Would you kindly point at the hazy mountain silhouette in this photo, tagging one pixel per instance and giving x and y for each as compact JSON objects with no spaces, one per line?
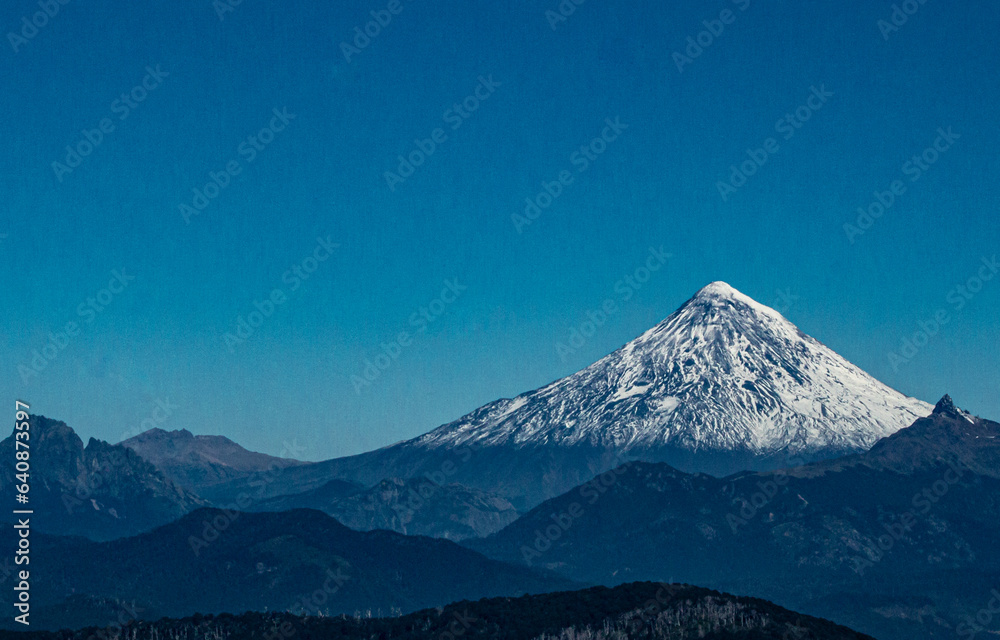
{"x":879,"y":541}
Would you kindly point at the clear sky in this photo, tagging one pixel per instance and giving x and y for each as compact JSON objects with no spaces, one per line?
{"x":545,"y":87}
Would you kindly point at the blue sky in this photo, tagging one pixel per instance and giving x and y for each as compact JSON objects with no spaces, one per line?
{"x":498,"y":295}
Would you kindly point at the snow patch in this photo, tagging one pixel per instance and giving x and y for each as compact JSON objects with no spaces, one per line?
{"x":630,"y":392}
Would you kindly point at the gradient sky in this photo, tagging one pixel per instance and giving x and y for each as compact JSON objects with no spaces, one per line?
{"x":161,"y":339}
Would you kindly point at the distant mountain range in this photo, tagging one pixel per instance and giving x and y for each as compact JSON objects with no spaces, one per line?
{"x":214,"y":561}
{"x":641,"y":610}
{"x":723,"y":448}
{"x":105,"y":491}
{"x":722,"y":385}
{"x":898,"y":542}
{"x":415,"y":506}
{"x":199,"y":462}
{"x":101,"y":491}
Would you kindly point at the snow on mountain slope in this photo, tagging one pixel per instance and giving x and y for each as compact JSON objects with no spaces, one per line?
{"x":723,"y":385}
{"x":723,"y":373}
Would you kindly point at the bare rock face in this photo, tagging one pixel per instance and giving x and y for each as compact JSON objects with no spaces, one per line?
{"x":101,"y":491}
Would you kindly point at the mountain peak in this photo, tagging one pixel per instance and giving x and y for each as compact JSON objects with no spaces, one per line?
{"x":195,"y":462}
{"x":946,"y":406}
{"x":722,"y":377}
{"x":100,"y":491}
{"x":949,"y":433}
{"x":722,"y":292}
{"x":718,"y":288}
{"x":156,"y":433}
{"x":715,"y":297}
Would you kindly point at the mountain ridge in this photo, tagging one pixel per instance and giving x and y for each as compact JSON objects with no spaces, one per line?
{"x":412,"y":507}
{"x":913,"y":536}
{"x":100,"y":490}
{"x":198,"y":462}
{"x":721,"y":385}
{"x":654,"y":611}
{"x":237,"y":561}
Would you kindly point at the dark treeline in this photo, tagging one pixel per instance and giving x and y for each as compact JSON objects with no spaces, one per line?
{"x":641,"y":611}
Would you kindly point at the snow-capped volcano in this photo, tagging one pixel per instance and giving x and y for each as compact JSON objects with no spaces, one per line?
{"x":722,"y":385}
{"x":722,"y":373}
